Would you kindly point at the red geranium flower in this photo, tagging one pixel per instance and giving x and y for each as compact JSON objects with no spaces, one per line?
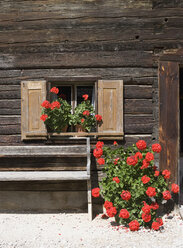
{"x":151,"y":191}
{"x":99,"y":144}
{"x":82,"y":120}
{"x":85,"y":97}
{"x":160,"y":221}
{"x":145,"y":164}
{"x":132,"y":160}
{"x":154,"y":205}
{"x":141,"y":145}
{"x":156,"y":173}
{"x":96,"y":192}
{"x":55,"y":104}
{"x":98,"y":117}
{"x":111,"y":212}
{"x":175,"y":188}
{"x":154,"y":167}
{"x":146,"y":217}
{"x":155,"y":226}
{"x":125,"y":195}
{"x":124,"y":214}
{"x":167,"y":195}
{"x":115,"y":143}
{"x":145,"y":179}
{"x":86,"y":112}
{"x":44,"y":117}
{"x":46,"y":104}
{"x":116,"y":179}
{"x":166,"y":174}
{"x":146,"y":208}
{"x":54,"y":90}
{"x":156,"y":148}
{"x":138,"y":155}
{"x":97,"y":153}
{"x":101,"y":161}
{"x":116,"y":161}
{"x":134,"y":225}
{"x":149,"y":157}
{"x":108,"y":205}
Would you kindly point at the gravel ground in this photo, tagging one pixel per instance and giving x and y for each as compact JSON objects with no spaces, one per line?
{"x":75,"y":230}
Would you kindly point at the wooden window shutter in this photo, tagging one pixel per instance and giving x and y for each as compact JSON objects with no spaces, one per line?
{"x":33,"y":93}
{"x":110,"y":106}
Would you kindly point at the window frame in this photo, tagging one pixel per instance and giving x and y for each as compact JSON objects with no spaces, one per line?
{"x":74,"y":82}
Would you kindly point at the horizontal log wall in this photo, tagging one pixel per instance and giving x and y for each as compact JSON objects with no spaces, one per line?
{"x":109,"y":39}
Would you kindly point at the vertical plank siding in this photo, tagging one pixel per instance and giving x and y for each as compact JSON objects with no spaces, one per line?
{"x":169,"y":117}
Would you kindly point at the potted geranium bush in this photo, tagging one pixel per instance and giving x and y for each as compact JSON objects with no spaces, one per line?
{"x":84,"y":117}
{"x":57,"y":114}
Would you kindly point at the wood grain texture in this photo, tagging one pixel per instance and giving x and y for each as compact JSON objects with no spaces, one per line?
{"x":43,"y":201}
{"x":33,"y":93}
{"x":44,"y":186}
{"x":169,"y":117}
{"x":42,"y":151}
{"x":110,"y":105}
{"x":43,"y":175}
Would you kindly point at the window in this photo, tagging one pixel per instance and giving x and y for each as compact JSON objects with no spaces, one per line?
{"x":105,"y":95}
{"x":73,"y":92}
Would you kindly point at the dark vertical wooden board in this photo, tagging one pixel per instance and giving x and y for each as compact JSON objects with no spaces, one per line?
{"x":169,"y":117}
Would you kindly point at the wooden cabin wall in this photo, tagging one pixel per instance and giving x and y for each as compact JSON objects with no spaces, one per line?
{"x":109,"y":39}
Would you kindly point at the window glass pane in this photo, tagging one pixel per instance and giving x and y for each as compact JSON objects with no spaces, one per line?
{"x":82,"y":90}
{"x":65,"y":93}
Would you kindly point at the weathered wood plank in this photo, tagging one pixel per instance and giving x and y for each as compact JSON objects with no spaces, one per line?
{"x":166,"y":4}
{"x":138,"y":106}
{"x":82,"y":10}
{"x":12,"y":104}
{"x":39,"y":36}
{"x":10,"y":129}
{"x":115,"y":73}
{"x":169,"y":117}
{"x":77,"y":59}
{"x":10,"y":120}
{"x":43,"y":175}
{"x":137,"y":92}
{"x":10,"y":139}
{"x":43,"y":151}
{"x":44,"y":186}
{"x":43,"y":164}
{"x":128,"y":80}
{"x":10,"y":92}
{"x":43,"y":201}
{"x":10,"y":74}
{"x":67,"y":6}
{"x":138,"y":124}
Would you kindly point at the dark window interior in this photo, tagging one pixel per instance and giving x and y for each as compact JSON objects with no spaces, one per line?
{"x":82,"y":90}
{"x":65,"y":93}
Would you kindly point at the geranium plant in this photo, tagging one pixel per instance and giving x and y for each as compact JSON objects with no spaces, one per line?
{"x":133,"y":188}
{"x":57,"y":114}
{"x":84,"y":115}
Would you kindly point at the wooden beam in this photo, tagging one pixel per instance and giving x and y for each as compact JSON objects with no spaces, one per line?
{"x":43,"y":175}
{"x":43,"y":151}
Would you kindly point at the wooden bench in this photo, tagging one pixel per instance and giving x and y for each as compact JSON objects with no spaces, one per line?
{"x":50,"y":151}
